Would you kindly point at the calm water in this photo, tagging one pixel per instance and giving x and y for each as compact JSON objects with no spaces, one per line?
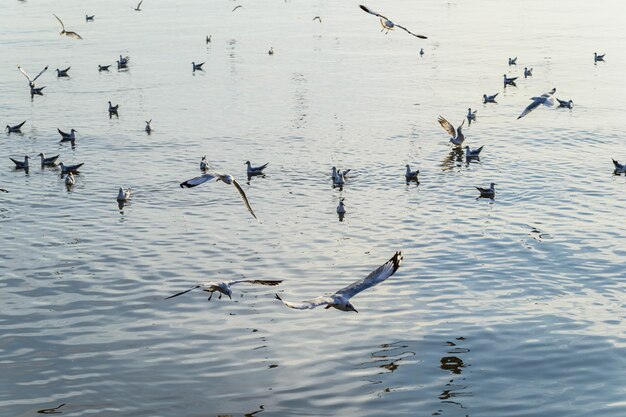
{"x":512,"y":307}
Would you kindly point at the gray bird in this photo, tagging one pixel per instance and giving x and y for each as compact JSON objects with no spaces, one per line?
{"x":21,"y":164}
{"x":16,"y":128}
{"x":457,"y":135}
{"x":70,"y":168}
{"x":490,"y":99}
{"x":50,"y":162}
{"x":411,"y":175}
{"x":510,"y":81}
{"x":546,"y":99}
{"x":255,"y":170}
{"x":63,"y":73}
{"x":487,"y":192}
{"x":470,"y":154}
{"x":223,"y":287}
{"x":568,"y":104}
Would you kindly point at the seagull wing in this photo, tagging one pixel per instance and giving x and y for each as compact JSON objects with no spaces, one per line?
{"x":243,"y":196}
{"x":307,"y":305}
{"x":236,"y":7}
{"x":197,"y":180}
{"x":370,"y":11}
{"x":317,"y":18}
{"x":255,"y":281}
{"x":447,"y":126}
{"x":39,"y":75}
{"x":411,"y":33}
{"x":549,"y":93}
{"x":62,"y":25}
{"x":183,"y":292}
{"x":532,"y":106}
{"x":73,"y":35}
{"x":139,"y":5}
{"x":376,"y":277}
{"x":26,"y":75}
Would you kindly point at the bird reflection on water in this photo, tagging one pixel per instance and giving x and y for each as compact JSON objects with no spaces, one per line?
{"x":453,"y":159}
{"x":453,"y":363}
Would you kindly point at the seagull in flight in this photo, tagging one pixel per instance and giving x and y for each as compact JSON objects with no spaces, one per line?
{"x":341,"y":299}
{"x":317,"y":18}
{"x":457,"y":135}
{"x":237,"y":7}
{"x":67,"y":32}
{"x":223,"y":287}
{"x":225,"y":178}
{"x":388,"y":24}
{"x":546,"y":99}
{"x":138,"y":8}
{"x":16,"y":128}
{"x":31,"y":81}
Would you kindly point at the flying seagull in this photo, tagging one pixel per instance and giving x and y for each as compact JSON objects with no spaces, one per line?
{"x":237,"y":7}
{"x":223,"y":287}
{"x":67,"y":32}
{"x":63,"y":73}
{"x":31,"y":81}
{"x":457,"y":135}
{"x":226,"y":178}
{"x":388,"y":24}
{"x":51,"y":161}
{"x":341,"y":299}
{"x":317,"y":18}
{"x":545,"y":99}
{"x":138,"y":8}
{"x":487,"y":192}
{"x":255,"y":170}
{"x":16,"y":128}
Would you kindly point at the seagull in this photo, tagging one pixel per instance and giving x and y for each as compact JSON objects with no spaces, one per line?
{"x":341,"y":209}
{"x":512,"y":61}
{"x":567,"y":104}
{"x":148,"y":128}
{"x":20,"y":164}
{"x":223,"y":287}
{"x":123,"y":62}
{"x":388,"y":24}
{"x":51,"y":161}
{"x":335,"y":176}
{"x":138,"y":8}
{"x":341,"y":299}
{"x":226,"y":178}
{"x":113,"y":110}
{"x":36,"y":91}
{"x":510,"y":81}
{"x":487,"y":192}
{"x":236,"y":7}
{"x":338,"y":179}
{"x":103,"y":68}
{"x":67,"y":32}
{"x":421,"y":51}
{"x":597,"y":57}
{"x":457,"y":135}
{"x":70,"y":180}
{"x":123,"y":194}
{"x":208,"y":39}
{"x":31,"y":81}
{"x":63,"y":73}
{"x":197,"y":67}
{"x":619,"y":168}
{"x":3,"y":190}
{"x":271,"y":51}
{"x":67,"y":137}
{"x":255,"y":170}
{"x":528,"y":72}
{"x":204,"y":164}
{"x":411,"y":175}
{"x":470,"y":154}
{"x":16,"y":128}
{"x":317,"y":18}
{"x":471,"y":115}
{"x":490,"y":99}
{"x":65,"y":169}
{"x":89,"y":18}
{"x":545,"y":99}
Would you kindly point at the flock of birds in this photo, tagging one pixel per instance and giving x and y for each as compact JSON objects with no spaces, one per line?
{"x":341,"y":299}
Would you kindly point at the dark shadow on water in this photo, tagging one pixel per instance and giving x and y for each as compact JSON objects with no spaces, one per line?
{"x":454,"y":158}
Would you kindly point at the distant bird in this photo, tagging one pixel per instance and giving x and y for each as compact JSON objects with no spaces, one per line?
{"x":70,"y":180}
{"x":65,"y":169}
{"x":528,"y":72}
{"x":545,"y":99}
{"x":16,"y":128}
{"x":237,"y":7}
{"x":3,"y":190}
{"x":388,"y":24}
{"x":63,"y":73}
{"x":471,"y":115}
{"x":510,"y":81}
{"x":21,"y":164}
{"x":317,"y":18}
{"x":138,"y":8}
{"x":512,"y":61}
{"x":255,"y":170}
{"x":204,"y":164}
{"x":103,"y":68}
{"x":271,"y":51}
{"x":148,"y":128}
{"x":89,"y":18}
{"x":421,"y":51}
{"x":208,"y":39}
{"x":341,"y":299}
{"x":597,"y":58}
{"x":123,"y":62}
{"x":36,"y":91}
{"x":490,"y":99}
{"x":113,"y":110}
{"x":67,"y":32}
{"x":68,"y":137}
{"x":334,"y":173}
{"x":457,"y":135}
{"x":487,"y":192}
{"x":411,"y":175}
{"x":338,"y":178}
{"x":197,"y":67}
{"x":31,"y":81}
{"x":50,"y":162}
{"x":225,"y":178}
{"x":223,"y":287}
{"x":568,"y":104}
{"x":619,"y":168}
{"x":472,"y":154}
{"x":123,"y":194}
{"x":341,"y":209}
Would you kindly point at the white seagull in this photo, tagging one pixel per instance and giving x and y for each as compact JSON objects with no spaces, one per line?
{"x":68,"y":137}
{"x":223,"y":287}
{"x":568,"y":104}
{"x":226,"y":178}
{"x":123,"y":194}
{"x":546,"y":99}
{"x":512,"y":61}
{"x":597,"y":57}
{"x":204,"y":164}
{"x":411,"y":175}
{"x":341,"y":209}
{"x":31,"y":81}
{"x":457,"y":135}
{"x":51,"y":161}
{"x":63,"y":73}
{"x":528,"y":72}
{"x":471,"y":115}
{"x":16,"y":128}
{"x":388,"y":24}
{"x":67,"y":32}
{"x":73,"y":169}
{"x":490,"y":99}
{"x":341,"y":299}
{"x":469,"y":153}
{"x":619,"y":168}
{"x":138,"y":8}
{"x":20,"y":164}
{"x":487,"y":192}
{"x":255,"y":170}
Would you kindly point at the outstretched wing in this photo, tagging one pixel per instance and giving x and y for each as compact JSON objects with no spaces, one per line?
{"x":447,"y":126}
{"x":183,"y":292}
{"x":139,"y":5}
{"x":532,"y":106}
{"x":549,"y":93}
{"x":236,"y":7}
{"x":39,"y":75}
{"x":317,"y":18}
{"x":73,"y":35}
{"x":197,"y":180}
{"x":26,"y":75}
{"x":255,"y":281}
{"x":243,"y":196}
{"x":376,"y":277}
{"x":307,"y":305}
{"x":408,"y":31}
{"x":62,"y":25}
{"x":370,"y":11}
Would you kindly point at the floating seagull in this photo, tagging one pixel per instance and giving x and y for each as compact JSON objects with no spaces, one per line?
{"x":103,"y":68}
{"x":317,"y":18}
{"x":341,"y":299}
{"x":148,"y":128}
{"x":138,"y":8}
{"x":255,"y":170}
{"x":51,"y":161}
{"x":619,"y":168}
{"x":411,"y":175}
{"x":597,"y":57}
{"x":470,"y":154}
{"x":271,"y":51}
{"x":197,"y":67}
{"x":226,"y":178}
{"x":421,"y":51}
{"x":567,"y":104}
{"x":208,"y":39}
{"x":471,"y":115}
{"x":512,"y":61}
{"x":341,"y":209}
{"x":63,"y":73}
{"x":487,"y":192}
{"x":457,"y":135}
{"x":223,"y":287}
{"x":123,"y":62}
{"x":204,"y":164}
{"x":338,"y":179}
{"x":113,"y":110}
{"x":89,"y":18}
{"x":528,"y":72}
{"x":545,"y":99}
{"x":237,"y":7}
{"x":3,"y":190}
{"x":36,"y":91}
{"x":335,"y":176}
{"x":16,"y":128}
{"x":31,"y":81}
{"x":67,"y":32}
{"x":388,"y":24}
{"x":70,"y":180}
{"x":51,"y":410}
{"x":510,"y":81}
{"x":20,"y":164}
{"x":65,"y":169}
{"x":123,"y":194}
{"x":490,"y":99}
{"x":68,"y":137}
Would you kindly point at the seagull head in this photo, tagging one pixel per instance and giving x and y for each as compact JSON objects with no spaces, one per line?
{"x":492,"y":184}
{"x":247,"y":163}
{"x":41,"y":154}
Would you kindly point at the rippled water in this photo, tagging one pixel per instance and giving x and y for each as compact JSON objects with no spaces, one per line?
{"x":512,"y":307}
